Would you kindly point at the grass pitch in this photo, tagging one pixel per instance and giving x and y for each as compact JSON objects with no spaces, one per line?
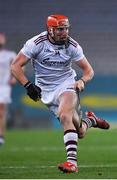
{"x":34,"y":154}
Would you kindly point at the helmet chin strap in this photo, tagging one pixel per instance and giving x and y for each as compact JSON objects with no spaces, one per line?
{"x":59,"y":42}
{"x":62,"y":42}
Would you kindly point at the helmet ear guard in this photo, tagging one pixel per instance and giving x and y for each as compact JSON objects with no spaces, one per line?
{"x":50,"y":31}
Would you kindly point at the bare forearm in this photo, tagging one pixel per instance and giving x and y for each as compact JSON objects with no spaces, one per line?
{"x":88,"y":75}
{"x":19,"y":74}
{"x":17,"y":68}
{"x":87,"y":69}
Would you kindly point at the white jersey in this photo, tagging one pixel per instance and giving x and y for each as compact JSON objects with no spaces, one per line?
{"x":6,"y":58}
{"x":52,"y":63}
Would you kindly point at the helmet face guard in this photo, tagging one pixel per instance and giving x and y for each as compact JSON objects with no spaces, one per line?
{"x":58,"y":28}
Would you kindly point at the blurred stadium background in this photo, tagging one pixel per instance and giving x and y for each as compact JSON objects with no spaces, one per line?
{"x":93,"y":25}
{"x":32,"y":154}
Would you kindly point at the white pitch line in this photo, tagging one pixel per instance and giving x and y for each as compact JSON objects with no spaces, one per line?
{"x":32,"y":149}
{"x":44,"y":167}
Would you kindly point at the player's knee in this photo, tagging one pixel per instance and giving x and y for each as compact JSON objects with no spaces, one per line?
{"x":64,"y":118}
{"x":81,"y":134}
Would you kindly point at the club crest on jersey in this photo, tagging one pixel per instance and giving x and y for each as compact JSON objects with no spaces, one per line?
{"x":57,"y":52}
{"x":47,"y":50}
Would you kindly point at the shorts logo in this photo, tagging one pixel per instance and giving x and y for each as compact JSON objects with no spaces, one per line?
{"x":70,"y":88}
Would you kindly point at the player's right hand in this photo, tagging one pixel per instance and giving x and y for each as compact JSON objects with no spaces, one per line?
{"x":79,"y":85}
{"x":33,"y":91}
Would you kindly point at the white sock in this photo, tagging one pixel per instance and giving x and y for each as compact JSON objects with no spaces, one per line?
{"x":70,"y":141}
{"x":90,"y":122}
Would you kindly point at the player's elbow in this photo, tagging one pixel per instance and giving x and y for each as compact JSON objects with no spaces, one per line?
{"x":91,"y":73}
{"x":13,"y":68}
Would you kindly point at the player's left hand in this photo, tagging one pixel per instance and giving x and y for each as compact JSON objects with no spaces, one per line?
{"x":33,"y":91}
{"x":80,"y":85}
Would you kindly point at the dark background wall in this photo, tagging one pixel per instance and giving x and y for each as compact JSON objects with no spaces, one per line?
{"x":93,"y":25}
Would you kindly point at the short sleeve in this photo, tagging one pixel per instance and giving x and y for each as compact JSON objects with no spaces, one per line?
{"x":77,"y":53}
{"x":29,"y":49}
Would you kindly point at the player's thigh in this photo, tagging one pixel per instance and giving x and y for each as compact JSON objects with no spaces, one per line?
{"x":67,"y":102}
